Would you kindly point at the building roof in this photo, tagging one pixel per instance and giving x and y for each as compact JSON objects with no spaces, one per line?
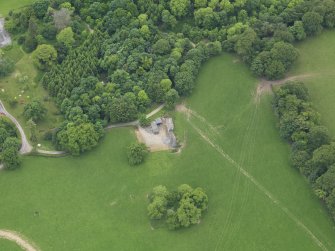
{"x":158,"y":121}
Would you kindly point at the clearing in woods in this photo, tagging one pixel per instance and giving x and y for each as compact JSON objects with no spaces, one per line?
{"x":98,"y":202}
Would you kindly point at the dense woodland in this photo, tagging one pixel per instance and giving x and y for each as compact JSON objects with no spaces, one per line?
{"x":313,"y":151}
{"x":108,"y":61}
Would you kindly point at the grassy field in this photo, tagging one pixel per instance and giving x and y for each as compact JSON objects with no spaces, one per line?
{"x":317,"y":57}
{"x":7,"y":5}
{"x":9,"y":246}
{"x":97,"y":202}
{"x":25,"y":91}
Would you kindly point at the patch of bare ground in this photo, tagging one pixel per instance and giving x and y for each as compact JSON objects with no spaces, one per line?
{"x":155,"y":142}
{"x":182,"y":144}
{"x":265,"y":86}
{"x":18,"y":239}
{"x":183,"y":109}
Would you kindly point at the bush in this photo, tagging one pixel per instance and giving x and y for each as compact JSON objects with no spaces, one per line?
{"x":6,"y":66}
{"x":137,"y":153}
{"x":21,"y":40}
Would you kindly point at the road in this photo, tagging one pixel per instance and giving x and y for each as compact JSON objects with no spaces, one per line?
{"x":25,"y":145}
{"x":27,"y":148}
{"x":136,"y":122}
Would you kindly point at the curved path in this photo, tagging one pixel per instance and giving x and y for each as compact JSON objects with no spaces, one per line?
{"x":18,"y":239}
{"x":25,"y":147}
{"x":265,"y":86}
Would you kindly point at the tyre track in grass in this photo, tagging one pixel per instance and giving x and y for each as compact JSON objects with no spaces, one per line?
{"x":246,"y":157}
{"x":190,"y":114}
{"x":247,"y":139}
{"x":259,"y":186}
{"x":247,"y":143}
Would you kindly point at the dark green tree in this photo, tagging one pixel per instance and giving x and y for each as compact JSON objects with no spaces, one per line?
{"x":312,"y":22}
{"x":35,"y":111}
{"x":137,"y":153}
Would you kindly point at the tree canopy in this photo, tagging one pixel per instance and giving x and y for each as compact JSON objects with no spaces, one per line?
{"x":45,"y":56}
{"x":136,"y":153}
{"x":34,"y":110}
{"x":9,"y":144}
{"x":181,"y":208}
{"x":111,"y":60}
{"x":313,"y":151}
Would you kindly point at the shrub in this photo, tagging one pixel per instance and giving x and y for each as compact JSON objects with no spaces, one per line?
{"x":6,"y":66}
{"x":137,"y":153}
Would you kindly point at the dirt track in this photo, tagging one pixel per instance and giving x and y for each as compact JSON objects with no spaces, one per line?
{"x":18,"y":239}
{"x":265,"y":86}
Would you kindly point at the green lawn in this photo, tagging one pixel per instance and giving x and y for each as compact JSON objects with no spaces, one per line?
{"x":7,"y":5}
{"x":9,"y":246}
{"x":98,"y":202}
{"x":26,"y":91}
{"x":317,"y":56}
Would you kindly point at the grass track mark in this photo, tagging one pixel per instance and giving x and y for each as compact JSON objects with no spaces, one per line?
{"x":257,"y":184}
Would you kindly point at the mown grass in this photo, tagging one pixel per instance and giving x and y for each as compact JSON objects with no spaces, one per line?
{"x":25,"y":92}
{"x":8,"y":245}
{"x":98,"y":202}
{"x":317,"y":57}
{"x":7,"y":5}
